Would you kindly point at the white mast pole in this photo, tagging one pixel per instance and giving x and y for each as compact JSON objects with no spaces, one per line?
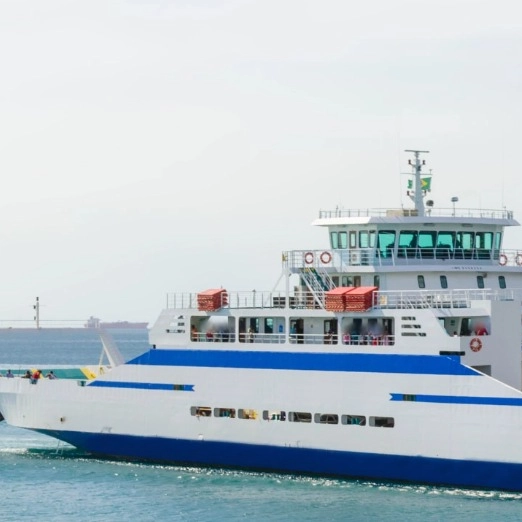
{"x":417,"y":186}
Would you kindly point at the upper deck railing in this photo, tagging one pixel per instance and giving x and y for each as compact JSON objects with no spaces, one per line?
{"x":301,"y":300}
{"x":411,"y":212}
{"x":339,"y":260}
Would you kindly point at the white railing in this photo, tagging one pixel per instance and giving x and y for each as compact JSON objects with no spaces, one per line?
{"x":341,"y":259}
{"x":293,"y":338}
{"x":241,"y":299}
{"x":458,"y":298}
{"x":406,"y":212}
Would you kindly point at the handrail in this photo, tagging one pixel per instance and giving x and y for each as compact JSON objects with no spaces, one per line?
{"x":340,"y":259}
{"x":302,"y":300}
{"x":406,"y":212}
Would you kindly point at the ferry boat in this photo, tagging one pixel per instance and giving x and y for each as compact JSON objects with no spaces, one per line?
{"x":394,"y":353}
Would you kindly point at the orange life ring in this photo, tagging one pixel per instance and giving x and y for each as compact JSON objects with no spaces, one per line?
{"x":326,"y":257}
{"x":518,"y":259}
{"x":475,"y":344}
{"x":309,"y":258}
{"x":503,"y":259}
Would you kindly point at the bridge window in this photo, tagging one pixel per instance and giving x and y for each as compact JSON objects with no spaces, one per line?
{"x":334,"y":239}
{"x":367,"y":239}
{"x":498,"y":242}
{"x":464,"y":245}
{"x":407,"y":243}
{"x":484,"y":244}
{"x":427,"y":244}
{"x":445,"y":245}
{"x":353,"y":239}
{"x":386,"y":243}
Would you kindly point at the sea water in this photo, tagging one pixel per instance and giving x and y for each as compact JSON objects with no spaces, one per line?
{"x":43,"y":479}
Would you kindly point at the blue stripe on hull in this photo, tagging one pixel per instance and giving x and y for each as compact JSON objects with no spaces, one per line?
{"x":141,"y":385}
{"x":458,"y":399}
{"x":335,"y":362}
{"x":490,"y":475}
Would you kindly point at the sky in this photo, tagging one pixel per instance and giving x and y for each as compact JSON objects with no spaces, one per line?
{"x":149,"y":147}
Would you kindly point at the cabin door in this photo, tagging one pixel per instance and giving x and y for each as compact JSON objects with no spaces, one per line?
{"x":330,"y":331}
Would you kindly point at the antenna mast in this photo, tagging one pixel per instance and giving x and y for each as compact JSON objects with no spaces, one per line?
{"x":417,"y":186}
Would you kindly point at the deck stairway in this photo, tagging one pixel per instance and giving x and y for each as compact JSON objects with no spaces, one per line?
{"x":318,"y":283}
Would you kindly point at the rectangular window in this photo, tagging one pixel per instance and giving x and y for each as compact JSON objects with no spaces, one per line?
{"x":326,"y":418}
{"x":464,"y":245}
{"x":443,"y":281}
{"x":427,"y":244}
{"x":275,"y":415}
{"x":247,"y":414}
{"x":353,"y":420}
{"x":445,"y":245}
{"x":269,"y":325}
{"x":346,"y":281}
{"x":376,"y":281}
{"x":334,"y":240}
{"x":386,"y":243}
{"x":299,"y":416}
{"x":367,"y":239}
{"x":501,"y":281}
{"x":480,"y":281}
{"x":420,"y":281}
{"x":483,"y":244}
{"x":225,"y":412}
{"x":382,"y":422}
{"x":342,"y":240}
{"x":498,"y":242}
{"x":200,"y":411}
{"x":353,"y":239}
{"x":407,"y":246}
{"x":373,"y":235}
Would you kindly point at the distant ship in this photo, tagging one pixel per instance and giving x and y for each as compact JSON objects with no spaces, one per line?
{"x":94,"y":322}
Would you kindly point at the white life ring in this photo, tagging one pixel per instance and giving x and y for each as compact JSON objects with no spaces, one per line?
{"x":475,"y":344}
{"x":518,"y":259}
{"x":309,"y":258}
{"x":503,"y":259}
{"x":326,"y":257}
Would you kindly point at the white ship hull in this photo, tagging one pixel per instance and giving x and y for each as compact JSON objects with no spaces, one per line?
{"x":439,"y":437}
